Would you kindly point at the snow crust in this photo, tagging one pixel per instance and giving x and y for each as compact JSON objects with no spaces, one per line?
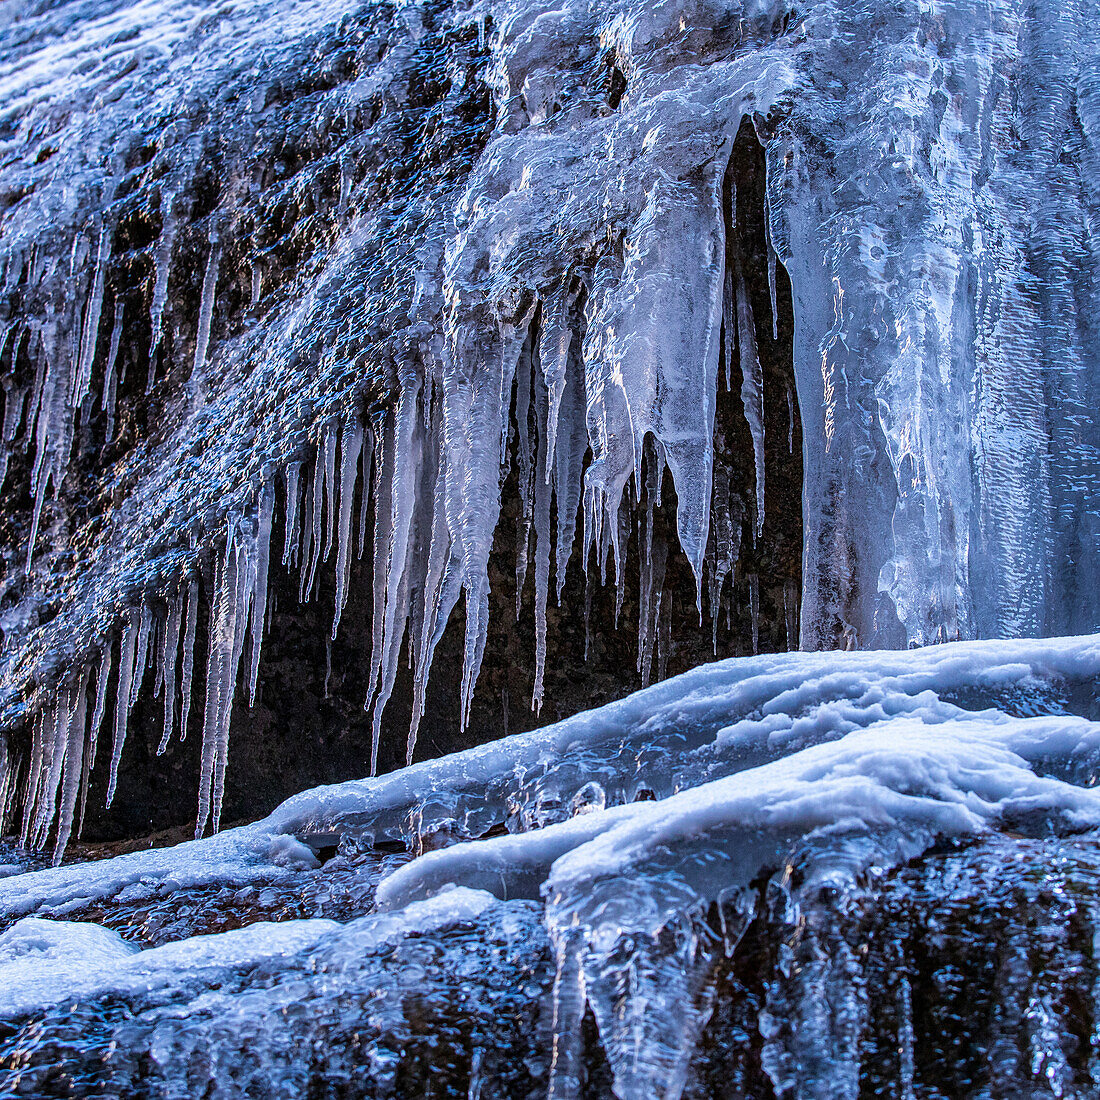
{"x":716,"y":720}
{"x":83,"y":961}
{"x":46,"y":962}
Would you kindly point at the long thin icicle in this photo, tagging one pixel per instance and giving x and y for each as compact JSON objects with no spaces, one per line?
{"x":752,"y":375}
{"x":206,"y":307}
{"x":188,"y":656}
{"x":351,"y":443}
{"x":124,"y":696}
{"x":542,"y":541}
{"x":290,"y":547}
{"x":169,"y":656}
{"x":109,"y":398}
{"x":163,"y":264}
{"x":259,"y":594}
{"x":90,"y":330}
{"x":73,"y":765}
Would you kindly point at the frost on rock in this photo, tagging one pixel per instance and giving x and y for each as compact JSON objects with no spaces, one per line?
{"x":448,"y":240}
{"x":761,"y":884}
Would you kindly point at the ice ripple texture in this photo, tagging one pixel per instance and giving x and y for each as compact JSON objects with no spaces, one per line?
{"x":334,"y":243}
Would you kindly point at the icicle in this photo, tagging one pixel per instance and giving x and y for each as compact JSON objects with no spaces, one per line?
{"x":752,"y":384}
{"x":188,"y":656}
{"x":36,"y":519}
{"x":157,"y":646}
{"x":555,"y":338}
{"x":383,"y":518}
{"x":33,"y":777}
{"x":168,"y":657}
{"x":525,"y":462}
{"x":754,"y":610}
{"x":30,"y":800}
{"x":55,"y":738}
{"x":145,"y":631}
{"x":243,"y":596}
{"x":650,"y":982}
{"x":364,"y":499}
{"x":542,"y":541}
{"x":290,"y":548}
{"x":257,"y":283}
{"x":790,"y":421}
{"x":569,"y":1000}
{"x":331,"y":487}
{"x":53,"y":429}
{"x":572,"y":444}
{"x":124,"y":696}
{"x":74,"y":766}
{"x":317,"y":499}
{"x":306,"y":543}
{"x":234,"y":586}
{"x":100,"y":710}
{"x":90,"y":331}
{"x":103,"y":674}
{"x":406,"y":467}
{"x":110,"y":378}
{"x":206,"y":308}
{"x":790,"y":610}
{"x":215,"y":687}
{"x":259,"y":596}
{"x":163,"y":262}
{"x":442,"y":580}
{"x":351,"y":444}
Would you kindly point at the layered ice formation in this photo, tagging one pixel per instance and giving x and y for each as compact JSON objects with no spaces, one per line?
{"x":335,"y":269}
{"x":776,"y":823}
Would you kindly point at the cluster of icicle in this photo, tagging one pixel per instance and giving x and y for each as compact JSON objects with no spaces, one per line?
{"x":62,"y":344}
{"x":420,"y":566}
{"x":613,"y":351}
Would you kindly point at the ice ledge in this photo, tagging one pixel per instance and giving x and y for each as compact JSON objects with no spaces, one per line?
{"x":713,"y":723}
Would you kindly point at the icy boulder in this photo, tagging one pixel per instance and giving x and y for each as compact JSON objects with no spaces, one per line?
{"x":692,"y":884}
{"x":390,"y":255}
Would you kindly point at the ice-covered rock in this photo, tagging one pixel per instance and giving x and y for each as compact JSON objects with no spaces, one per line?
{"x":328,"y":268}
{"x":751,"y":821}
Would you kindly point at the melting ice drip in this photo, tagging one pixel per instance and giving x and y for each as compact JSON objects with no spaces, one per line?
{"x":583,"y":258}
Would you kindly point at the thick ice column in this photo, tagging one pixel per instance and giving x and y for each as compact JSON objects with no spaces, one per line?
{"x":651,"y":357}
{"x":942,"y":259}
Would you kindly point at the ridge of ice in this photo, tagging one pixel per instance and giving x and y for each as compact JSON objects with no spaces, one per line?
{"x":717,"y":720}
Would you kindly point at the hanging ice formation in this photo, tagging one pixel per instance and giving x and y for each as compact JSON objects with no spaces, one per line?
{"x":343,"y":280}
